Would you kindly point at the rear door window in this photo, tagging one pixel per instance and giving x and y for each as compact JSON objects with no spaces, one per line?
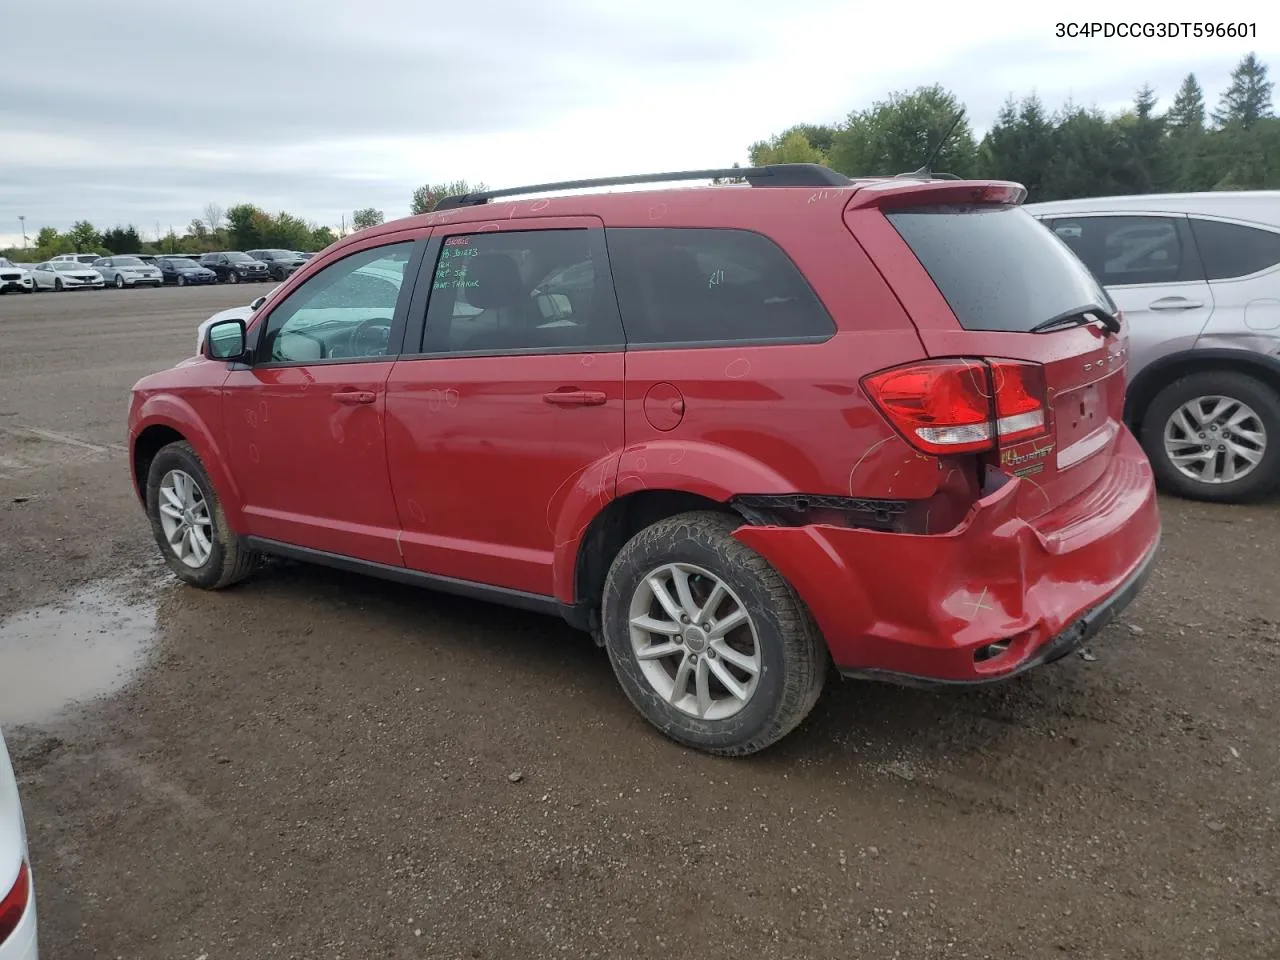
{"x":997,"y":266}
{"x":702,"y":286}
{"x":1231,"y":250}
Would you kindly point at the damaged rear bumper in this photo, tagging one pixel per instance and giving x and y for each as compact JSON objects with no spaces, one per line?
{"x":998,"y":595}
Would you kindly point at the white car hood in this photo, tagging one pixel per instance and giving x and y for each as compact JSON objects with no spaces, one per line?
{"x":234,"y":313}
{"x":13,"y":834}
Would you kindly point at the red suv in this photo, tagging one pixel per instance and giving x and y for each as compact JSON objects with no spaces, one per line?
{"x":740,"y":433}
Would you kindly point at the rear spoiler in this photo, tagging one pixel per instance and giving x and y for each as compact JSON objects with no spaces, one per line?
{"x":910,"y":193}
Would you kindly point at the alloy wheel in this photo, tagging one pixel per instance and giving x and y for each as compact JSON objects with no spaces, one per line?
{"x":1215,"y":439}
{"x":694,"y":641}
{"x":185,"y":519}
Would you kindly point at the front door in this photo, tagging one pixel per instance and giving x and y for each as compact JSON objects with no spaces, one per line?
{"x":504,"y":432}
{"x":306,"y":421}
{"x":1152,"y":271}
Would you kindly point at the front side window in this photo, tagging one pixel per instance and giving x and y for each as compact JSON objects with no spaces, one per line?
{"x":711,"y":286}
{"x":343,"y":312}
{"x":519,"y":290}
{"x":1230,"y":250}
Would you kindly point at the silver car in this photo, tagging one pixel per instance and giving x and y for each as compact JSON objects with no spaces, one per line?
{"x":1197,"y":276}
{"x":128,"y":271}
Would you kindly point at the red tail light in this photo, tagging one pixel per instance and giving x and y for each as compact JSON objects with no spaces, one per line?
{"x":962,"y":406}
{"x":14,"y":905}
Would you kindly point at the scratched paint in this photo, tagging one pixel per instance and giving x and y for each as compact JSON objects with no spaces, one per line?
{"x":737,"y":368}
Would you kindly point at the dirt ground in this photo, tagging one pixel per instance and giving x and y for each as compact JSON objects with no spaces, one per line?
{"x":317,"y":765}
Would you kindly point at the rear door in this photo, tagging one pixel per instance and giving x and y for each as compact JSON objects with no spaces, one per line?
{"x":1150,"y":267}
{"x":1242,"y":266}
{"x":506,"y":427}
{"x":997,"y":274}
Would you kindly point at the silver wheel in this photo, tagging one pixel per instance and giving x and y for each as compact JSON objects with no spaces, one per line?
{"x":184,"y":517}
{"x":119,"y":282}
{"x":694,"y":641}
{"x":1215,"y":439}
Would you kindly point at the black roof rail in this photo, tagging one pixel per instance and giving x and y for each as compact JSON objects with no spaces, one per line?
{"x":773,"y":175}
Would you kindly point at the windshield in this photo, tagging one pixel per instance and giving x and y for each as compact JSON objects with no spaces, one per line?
{"x":184,"y":264}
{"x":128,"y":262}
{"x":998,"y":268}
{"x":68,"y":265}
{"x":239,"y":257}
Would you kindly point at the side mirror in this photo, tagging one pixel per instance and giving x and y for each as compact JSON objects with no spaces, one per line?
{"x":258,"y":301}
{"x":225,"y":340}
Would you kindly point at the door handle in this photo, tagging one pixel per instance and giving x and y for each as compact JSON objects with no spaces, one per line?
{"x":1175,"y":303}
{"x":575,"y":398}
{"x":355,"y":396}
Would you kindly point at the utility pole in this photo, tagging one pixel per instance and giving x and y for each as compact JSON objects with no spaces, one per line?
{"x":23,"y":220}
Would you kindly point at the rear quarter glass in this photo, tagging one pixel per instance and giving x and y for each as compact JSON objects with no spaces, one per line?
{"x":997,"y":267}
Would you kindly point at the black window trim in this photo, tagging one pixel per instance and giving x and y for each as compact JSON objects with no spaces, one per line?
{"x":1232,"y":221}
{"x":417,"y":326}
{"x":799,"y":340}
{"x":396,"y":341}
{"x":1182,"y":227}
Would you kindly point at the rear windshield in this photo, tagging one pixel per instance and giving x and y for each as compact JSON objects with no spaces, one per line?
{"x":998,"y":267}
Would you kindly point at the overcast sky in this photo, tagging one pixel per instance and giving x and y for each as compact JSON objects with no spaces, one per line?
{"x":145,"y":111}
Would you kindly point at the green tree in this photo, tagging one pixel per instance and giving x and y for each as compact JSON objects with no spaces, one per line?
{"x":366,"y":217}
{"x":1187,"y":113}
{"x":428,"y":196}
{"x":321,"y":237}
{"x":122,"y":240}
{"x":1147,"y":165}
{"x":84,"y":236}
{"x":1019,"y":145}
{"x":47,"y":237}
{"x":1248,"y":98}
{"x":1089,"y":156}
{"x":898,"y":134}
{"x":790,"y":146}
{"x":244,"y":226}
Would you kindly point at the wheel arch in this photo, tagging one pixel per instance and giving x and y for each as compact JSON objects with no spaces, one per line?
{"x":1156,"y":376}
{"x":163,"y":419}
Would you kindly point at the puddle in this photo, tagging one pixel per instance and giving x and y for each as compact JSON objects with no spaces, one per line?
{"x":70,"y":652}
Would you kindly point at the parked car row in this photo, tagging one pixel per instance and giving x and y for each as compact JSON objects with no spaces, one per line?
{"x":87,"y":271}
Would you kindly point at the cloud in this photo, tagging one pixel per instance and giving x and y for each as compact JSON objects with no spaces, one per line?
{"x":144,"y":112}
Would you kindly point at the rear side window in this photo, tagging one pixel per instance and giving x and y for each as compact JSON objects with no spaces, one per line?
{"x":517,"y":291}
{"x":702,"y":286}
{"x":1231,"y":250}
{"x":998,"y":268}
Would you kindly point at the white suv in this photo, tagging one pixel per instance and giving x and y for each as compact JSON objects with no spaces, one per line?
{"x":1198,"y":278}
{"x":75,"y":257}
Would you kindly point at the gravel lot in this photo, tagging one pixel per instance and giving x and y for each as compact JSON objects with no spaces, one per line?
{"x":315,"y":765}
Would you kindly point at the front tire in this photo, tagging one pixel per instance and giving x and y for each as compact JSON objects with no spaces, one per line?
{"x":1215,"y":436}
{"x":233,"y":277}
{"x":119,"y":282}
{"x":182,"y":281}
{"x":708,"y":641}
{"x":188,"y":522}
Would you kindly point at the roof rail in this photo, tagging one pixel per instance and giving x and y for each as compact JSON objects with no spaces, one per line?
{"x":772,"y":175}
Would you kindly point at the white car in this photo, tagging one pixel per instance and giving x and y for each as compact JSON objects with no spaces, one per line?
{"x":233,"y":313}
{"x":17,"y":889}
{"x":66,"y":275}
{"x":85,"y":258}
{"x":14,"y":277}
{"x":128,"y":271}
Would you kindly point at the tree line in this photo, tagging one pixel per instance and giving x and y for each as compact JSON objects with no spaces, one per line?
{"x":1072,"y":152}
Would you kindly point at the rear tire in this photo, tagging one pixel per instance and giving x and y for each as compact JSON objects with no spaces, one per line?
{"x":226,"y":561}
{"x":1249,"y":429}
{"x":778,"y":658}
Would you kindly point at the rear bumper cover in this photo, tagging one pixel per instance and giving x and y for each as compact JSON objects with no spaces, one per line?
{"x":916,"y":607}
